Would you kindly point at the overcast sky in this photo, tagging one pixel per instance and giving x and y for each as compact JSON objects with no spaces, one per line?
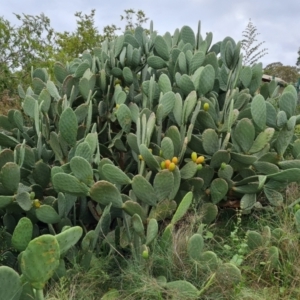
{"x":278,"y":22}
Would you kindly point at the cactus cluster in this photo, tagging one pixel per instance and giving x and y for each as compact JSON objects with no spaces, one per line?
{"x":139,"y":130}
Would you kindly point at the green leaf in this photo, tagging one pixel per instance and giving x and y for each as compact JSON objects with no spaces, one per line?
{"x":124,"y":117}
{"x":161,"y":47}
{"x":156,"y":62}
{"x":210,"y":141}
{"x":144,"y":190}
{"x":67,"y":183}
{"x":218,"y":190}
{"x":163,"y":184}
{"x":47,"y":214}
{"x":182,"y":208}
{"x":188,"y":170}
{"x":259,"y":111}
{"x":105,"y":193}
{"x":115,"y":175}
{"x":68,"y":126}
{"x":82,"y":169}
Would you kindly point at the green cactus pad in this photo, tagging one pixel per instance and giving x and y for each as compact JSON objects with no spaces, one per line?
{"x":22,"y":234}
{"x":209,"y":261}
{"x":248,"y":201}
{"x":148,"y":157}
{"x":226,"y":172}
{"x":137,"y":225}
{"x":218,"y":190}
{"x":283,"y":140}
{"x":132,"y":207}
{"x":10,"y":176}
{"x":156,"y":62}
{"x":254,"y":240}
{"x":115,"y":175}
{"x":152,"y":231}
{"x":47,"y":214}
{"x":210,"y":141}
{"x":182,"y":289}
{"x":246,"y":76}
{"x":41,"y":174}
{"x":195,"y":246}
{"x":274,"y":197}
{"x":188,"y":106}
{"x":40,"y":260}
{"x":24,"y":201}
{"x":209,"y":212}
{"x":105,"y":193}
{"x":82,"y":170}
{"x":10,"y":284}
{"x":161,"y":47}
{"x":68,"y":238}
{"x":244,"y":134}
{"x":163,"y":184}
{"x":287,"y":176}
{"x":164,"y":83}
{"x":206,"y":80}
{"x":163,"y":210}
{"x":228,"y":274}
{"x":167,"y":148}
{"x":262,"y":140}
{"x":182,"y":208}
{"x":124,"y":117}
{"x":68,"y":126}
{"x":188,"y":170}
{"x":221,"y":156}
{"x":5,"y":200}
{"x":288,"y":103}
{"x":144,"y":190}
{"x":67,"y":183}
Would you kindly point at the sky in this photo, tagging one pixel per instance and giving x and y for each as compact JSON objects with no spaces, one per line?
{"x":277,"y":22}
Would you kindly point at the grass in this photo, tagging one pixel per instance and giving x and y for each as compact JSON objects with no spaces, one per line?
{"x":259,"y":281}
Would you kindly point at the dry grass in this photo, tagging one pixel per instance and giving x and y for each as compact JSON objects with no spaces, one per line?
{"x":8,"y":102}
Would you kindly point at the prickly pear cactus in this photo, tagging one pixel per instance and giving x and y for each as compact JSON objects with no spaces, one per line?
{"x":142,"y":130}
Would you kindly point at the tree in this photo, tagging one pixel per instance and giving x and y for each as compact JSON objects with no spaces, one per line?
{"x":35,"y":43}
{"x":287,"y":73}
{"x":85,"y":37}
{"x":298,"y":59}
{"x":24,"y":46}
{"x":252,"y":53}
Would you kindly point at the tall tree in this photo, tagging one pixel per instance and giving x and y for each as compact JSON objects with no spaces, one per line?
{"x":298,"y":59}
{"x":287,"y":73}
{"x":35,"y":43}
{"x":251,"y":49}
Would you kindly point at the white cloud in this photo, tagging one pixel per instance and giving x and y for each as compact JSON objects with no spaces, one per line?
{"x":276,"y":21}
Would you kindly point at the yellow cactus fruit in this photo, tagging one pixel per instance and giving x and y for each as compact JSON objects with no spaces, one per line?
{"x":194,"y":156}
{"x":167,"y":162}
{"x":141,"y":157}
{"x":36,"y":203}
{"x":200,"y":159}
{"x":206,"y":106}
{"x":175,"y":160}
{"x":172,"y":167}
{"x":163,"y":165}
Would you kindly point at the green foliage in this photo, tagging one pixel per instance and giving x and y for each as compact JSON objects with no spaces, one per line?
{"x":287,"y":73}
{"x":108,"y":146}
